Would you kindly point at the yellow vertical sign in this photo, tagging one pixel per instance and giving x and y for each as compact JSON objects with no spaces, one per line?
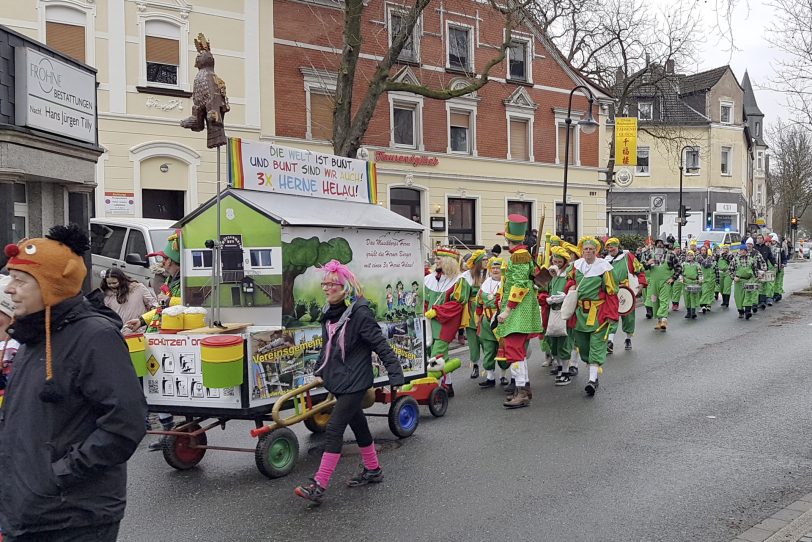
{"x":626,"y":141}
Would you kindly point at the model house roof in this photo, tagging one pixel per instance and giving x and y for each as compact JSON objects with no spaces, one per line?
{"x":291,"y":210}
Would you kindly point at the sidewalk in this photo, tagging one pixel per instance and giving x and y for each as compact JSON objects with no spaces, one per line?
{"x":792,"y":524}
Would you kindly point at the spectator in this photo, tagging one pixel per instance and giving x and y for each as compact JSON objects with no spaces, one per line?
{"x":125,"y":296}
{"x":8,"y":346}
{"x":74,"y":409}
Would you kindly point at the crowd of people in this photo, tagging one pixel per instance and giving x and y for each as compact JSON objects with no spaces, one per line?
{"x":576,"y":298}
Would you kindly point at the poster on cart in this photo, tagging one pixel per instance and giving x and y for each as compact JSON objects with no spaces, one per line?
{"x":174,"y":374}
{"x":266,"y":167}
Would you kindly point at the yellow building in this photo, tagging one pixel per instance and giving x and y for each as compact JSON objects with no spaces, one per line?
{"x":700,"y":126}
{"x":144,"y":53}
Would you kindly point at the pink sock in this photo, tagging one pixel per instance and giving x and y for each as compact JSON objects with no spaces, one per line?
{"x":328,"y":464}
{"x":369,"y":456}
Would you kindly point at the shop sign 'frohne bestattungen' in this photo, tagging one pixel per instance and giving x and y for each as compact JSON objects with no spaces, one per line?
{"x":53,"y":96}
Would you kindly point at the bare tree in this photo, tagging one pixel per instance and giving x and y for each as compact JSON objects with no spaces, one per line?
{"x":630,"y":49}
{"x":790,"y":179}
{"x":791,"y":34}
{"x":352,"y":116}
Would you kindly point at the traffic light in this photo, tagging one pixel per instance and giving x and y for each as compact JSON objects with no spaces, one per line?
{"x":794,"y":222}
{"x":709,"y":221}
{"x":684,"y":213}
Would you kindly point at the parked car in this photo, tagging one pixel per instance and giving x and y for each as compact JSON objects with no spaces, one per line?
{"x":719,"y":237}
{"x":125,"y":243}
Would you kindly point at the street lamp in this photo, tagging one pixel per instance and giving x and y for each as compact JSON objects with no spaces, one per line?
{"x":588,"y":126}
{"x":682,"y":168}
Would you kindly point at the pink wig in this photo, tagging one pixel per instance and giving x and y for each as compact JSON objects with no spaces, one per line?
{"x":342,"y":275}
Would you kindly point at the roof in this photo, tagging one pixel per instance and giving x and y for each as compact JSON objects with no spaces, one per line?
{"x":149,"y":223}
{"x":291,"y":210}
{"x":702,"y":80}
{"x":674,"y":109}
{"x":750,"y":105}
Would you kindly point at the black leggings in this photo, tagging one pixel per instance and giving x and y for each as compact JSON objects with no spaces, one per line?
{"x":347,"y":411}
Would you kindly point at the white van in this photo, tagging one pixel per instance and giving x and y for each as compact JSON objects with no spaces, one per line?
{"x":125,"y":243}
{"x":729,"y":238}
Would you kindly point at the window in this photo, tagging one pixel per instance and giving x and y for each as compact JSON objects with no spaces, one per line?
{"x":201,"y":259}
{"x":107,"y":240}
{"x":406,"y":203}
{"x":760,"y":160}
{"x":692,"y":161}
{"x":642,"y":168}
{"x":162,"y":44}
{"x":261,"y":257}
{"x":403,"y":125}
{"x":409,"y":52}
{"x":726,"y":113}
{"x":519,"y":140}
{"x":518,"y":61}
{"x":758,"y":194}
{"x":562,"y":135}
{"x":460,"y":131}
{"x":459,"y":48}
{"x":136,"y":244}
{"x":645,"y":111}
{"x":461,"y":221}
{"x":727,"y":153}
{"x":66,"y":38}
{"x":19,"y":226}
{"x":523,"y":208}
{"x":758,"y":129}
{"x":321,"y":116}
{"x":567,"y":223}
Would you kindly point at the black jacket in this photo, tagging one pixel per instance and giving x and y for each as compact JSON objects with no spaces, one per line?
{"x":363,"y":336}
{"x":63,"y":463}
{"x":766,"y":253}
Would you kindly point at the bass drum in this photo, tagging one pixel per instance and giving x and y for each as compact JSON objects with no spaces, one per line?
{"x":626,"y":300}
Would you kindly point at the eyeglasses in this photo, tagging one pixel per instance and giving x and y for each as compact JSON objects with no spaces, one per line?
{"x":329,"y":285}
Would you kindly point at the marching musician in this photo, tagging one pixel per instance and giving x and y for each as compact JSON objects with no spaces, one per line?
{"x":768,"y":263}
{"x":744,"y":269}
{"x":550,"y":299}
{"x":487,"y":307}
{"x":708,"y":264}
{"x":662,"y":270}
{"x":692,"y":278}
{"x":723,"y":260}
{"x":629,"y":272}
{"x":677,"y":287}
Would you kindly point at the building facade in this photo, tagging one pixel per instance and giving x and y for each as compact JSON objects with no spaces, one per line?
{"x":694,"y":122}
{"x":48,"y":139}
{"x":761,"y":214}
{"x":144,"y":53}
{"x":459,"y":166}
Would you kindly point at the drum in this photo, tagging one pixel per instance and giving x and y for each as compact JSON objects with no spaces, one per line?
{"x":769,"y":276}
{"x":693,"y":288}
{"x":625,"y":297}
{"x":752,"y":287}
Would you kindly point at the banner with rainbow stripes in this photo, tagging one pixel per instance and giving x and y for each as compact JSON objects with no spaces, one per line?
{"x":265,"y":167}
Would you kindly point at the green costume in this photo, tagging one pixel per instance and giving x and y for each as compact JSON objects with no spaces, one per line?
{"x":620,"y":271}
{"x":487,"y":307}
{"x":469,"y":320}
{"x":591,"y":332}
{"x":692,"y":274}
{"x":709,"y":284}
{"x":524,"y":317}
{"x":666,"y":267}
{"x":445,"y":298}
{"x":725,"y":280}
{"x":559,"y":347}
{"x":745,"y":268}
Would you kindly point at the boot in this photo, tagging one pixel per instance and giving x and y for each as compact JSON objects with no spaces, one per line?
{"x":519,"y":400}
{"x":649,"y":313}
{"x":725,"y":300}
{"x":591,"y":387}
{"x":664,"y":325}
{"x":747,"y":313}
{"x":688,"y":313}
{"x":487,"y":384}
{"x":693,"y":314}
{"x":510,"y":390}
{"x":741,"y":313}
{"x":659,"y":324}
{"x":528,"y":391}
{"x":475,"y":371}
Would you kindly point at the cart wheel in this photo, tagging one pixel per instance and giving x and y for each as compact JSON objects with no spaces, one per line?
{"x":277,"y":452}
{"x":318,"y":422}
{"x":438,"y":402}
{"x":404,"y":416}
{"x":177,"y":450}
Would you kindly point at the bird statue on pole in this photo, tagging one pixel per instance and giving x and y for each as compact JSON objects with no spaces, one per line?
{"x":209,"y":100}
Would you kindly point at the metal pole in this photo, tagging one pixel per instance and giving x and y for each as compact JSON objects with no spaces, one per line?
{"x":680,"y":213}
{"x":568,"y":124}
{"x":217,"y":264}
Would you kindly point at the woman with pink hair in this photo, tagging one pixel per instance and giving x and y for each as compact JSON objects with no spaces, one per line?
{"x":350,"y":334}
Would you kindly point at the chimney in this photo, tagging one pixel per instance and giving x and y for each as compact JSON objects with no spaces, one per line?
{"x":669,"y":66}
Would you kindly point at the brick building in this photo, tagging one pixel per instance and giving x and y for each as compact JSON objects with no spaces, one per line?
{"x":456,"y":166}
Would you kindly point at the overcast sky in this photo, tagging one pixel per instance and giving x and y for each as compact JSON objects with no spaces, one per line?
{"x":753,"y":53}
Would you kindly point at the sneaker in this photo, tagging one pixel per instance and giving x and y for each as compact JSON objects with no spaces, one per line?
{"x":610,"y":347}
{"x":628,"y":345}
{"x":769,"y":302}
{"x":548,"y":360}
{"x":487,"y":384}
{"x":591,"y":387}
{"x":573,"y":371}
{"x":503,"y":381}
{"x":313,"y":492}
{"x":366,"y":477}
{"x":475,"y":371}
{"x":156,"y":446}
{"x":563,"y":379}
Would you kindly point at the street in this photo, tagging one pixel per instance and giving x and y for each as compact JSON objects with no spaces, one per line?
{"x":696,"y":435}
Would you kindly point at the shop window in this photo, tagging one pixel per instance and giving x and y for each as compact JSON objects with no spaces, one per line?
{"x":460,"y":131}
{"x":519,"y":139}
{"x":321,"y":116}
{"x":461,"y":221}
{"x":162,"y":45}
{"x":406,"y":203}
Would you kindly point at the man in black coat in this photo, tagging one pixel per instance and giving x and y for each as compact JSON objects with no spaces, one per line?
{"x":767,"y":255}
{"x":74,"y":409}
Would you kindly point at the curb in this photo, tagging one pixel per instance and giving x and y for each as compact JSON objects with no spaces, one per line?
{"x":791,"y":524}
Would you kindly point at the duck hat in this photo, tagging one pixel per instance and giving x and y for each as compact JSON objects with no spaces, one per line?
{"x":515,"y":228}
{"x":56,"y":262}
